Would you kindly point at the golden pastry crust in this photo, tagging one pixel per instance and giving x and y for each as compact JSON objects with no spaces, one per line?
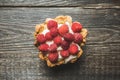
{"x":61,"y":20}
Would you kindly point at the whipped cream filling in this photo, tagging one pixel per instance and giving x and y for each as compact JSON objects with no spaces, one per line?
{"x":60,"y":48}
{"x":78,"y":46}
{"x":59,"y":56}
{"x":59,"y":25}
{"x":45,"y":31}
{"x":69,"y":26}
{"x":69,"y":58}
{"x":49,"y":42}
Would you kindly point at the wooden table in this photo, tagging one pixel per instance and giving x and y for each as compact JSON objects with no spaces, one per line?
{"x":19,"y":57}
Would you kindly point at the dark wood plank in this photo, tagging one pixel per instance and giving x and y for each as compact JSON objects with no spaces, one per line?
{"x":19,"y":58}
{"x":55,"y":2}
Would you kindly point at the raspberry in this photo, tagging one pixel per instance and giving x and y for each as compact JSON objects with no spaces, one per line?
{"x":53,"y":47}
{"x":58,"y":40}
{"x":64,"y":53}
{"x":63,"y":29}
{"x":52,"y":24}
{"x":65,"y":44}
{"x":53,"y":57}
{"x":68,"y":37}
{"x":78,"y":38}
{"x":43,"y":47}
{"x":73,"y":49}
{"x":76,"y":27}
{"x":48,"y":36}
{"x":41,"y":38}
{"x":54,"y":32}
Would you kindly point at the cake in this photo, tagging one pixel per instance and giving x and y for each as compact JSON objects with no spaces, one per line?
{"x":59,"y":40}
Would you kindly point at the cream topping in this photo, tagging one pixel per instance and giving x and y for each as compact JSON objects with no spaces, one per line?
{"x":59,"y":25}
{"x":59,"y":56}
{"x":49,"y":42}
{"x":78,"y":47}
{"x":45,"y":31}
{"x":69,"y":58}
{"x":59,"y":48}
{"x":69,"y":26}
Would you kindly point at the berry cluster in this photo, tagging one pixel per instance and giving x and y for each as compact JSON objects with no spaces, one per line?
{"x":60,"y":37}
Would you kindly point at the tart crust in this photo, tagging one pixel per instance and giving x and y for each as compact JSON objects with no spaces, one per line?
{"x":61,"y":20}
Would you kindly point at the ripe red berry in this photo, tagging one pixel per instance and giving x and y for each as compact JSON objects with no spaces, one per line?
{"x":58,"y":40}
{"x":41,"y":38}
{"x":65,"y":44}
{"x":76,"y":27}
{"x":52,"y":24}
{"x":53,"y":57}
{"x":63,"y":29}
{"x":68,"y":37}
{"x":43,"y":47}
{"x":53,"y":47}
{"x":48,"y":36}
{"x":54,"y":32}
{"x":64,"y":53}
{"x":73,"y":49}
{"x":78,"y":38}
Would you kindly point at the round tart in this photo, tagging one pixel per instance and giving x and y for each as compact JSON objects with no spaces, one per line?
{"x":59,"y":40}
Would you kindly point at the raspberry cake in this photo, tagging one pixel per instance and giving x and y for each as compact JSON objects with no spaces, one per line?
{"x":59,"y":40}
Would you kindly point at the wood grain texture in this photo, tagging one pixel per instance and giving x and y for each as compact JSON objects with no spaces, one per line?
{"x":55,"y":2}
{"x":19,"y":57}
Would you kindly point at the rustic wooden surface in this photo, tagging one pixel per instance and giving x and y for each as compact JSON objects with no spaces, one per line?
{"x":19,"y":57}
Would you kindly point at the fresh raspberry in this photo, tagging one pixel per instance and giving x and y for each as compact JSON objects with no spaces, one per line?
{"x":48,"y":36}
{"x":78,"y":38}
{"x":41,"y":38}
{"x":73,"y":49}
{"x":65,"y":44}
{"x":76,"y":27}
{"x":43,"y":47}
{"x":53,"y":57}
{"x":58,"y":40}
{"x":52,"y":24}
{"x":54,"y":32}
{"x":63,"y":29}
{"x":64,"y":53}
{"x":53,"y":47}
{"x":68,"y":37}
